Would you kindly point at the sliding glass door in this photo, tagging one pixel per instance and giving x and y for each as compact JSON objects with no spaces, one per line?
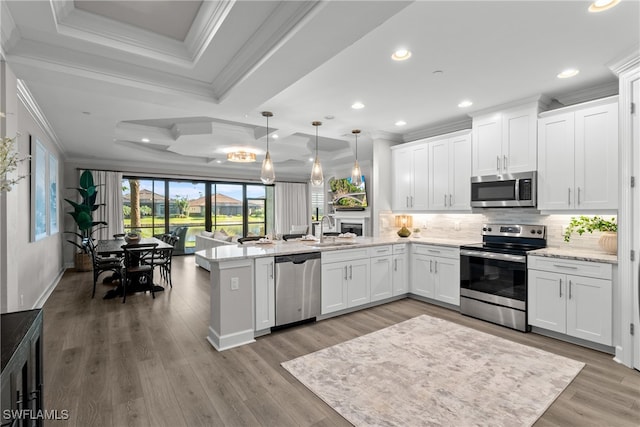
{"x":186,"y":212}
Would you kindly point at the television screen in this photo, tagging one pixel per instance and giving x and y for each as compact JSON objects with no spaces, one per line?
{"x":347,"y":196}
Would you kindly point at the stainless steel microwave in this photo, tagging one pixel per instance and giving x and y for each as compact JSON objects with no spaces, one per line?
{"x":504,"y":191}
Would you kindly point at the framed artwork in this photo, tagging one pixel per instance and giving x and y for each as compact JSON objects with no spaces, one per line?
{"x":44,"y":191}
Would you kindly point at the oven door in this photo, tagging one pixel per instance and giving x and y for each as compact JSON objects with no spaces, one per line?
{"x":492,"y":277}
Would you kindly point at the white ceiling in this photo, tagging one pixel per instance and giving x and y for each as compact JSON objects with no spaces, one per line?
{"x":193,"y":76}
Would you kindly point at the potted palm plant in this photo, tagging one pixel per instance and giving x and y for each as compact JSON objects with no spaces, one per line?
{"x":82,"y":214}
{"x":609,"y":228}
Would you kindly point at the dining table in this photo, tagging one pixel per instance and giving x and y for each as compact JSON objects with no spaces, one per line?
{"x":113,"y":247}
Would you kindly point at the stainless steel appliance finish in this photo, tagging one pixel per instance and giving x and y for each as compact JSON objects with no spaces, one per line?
{"x":297,"y":287}
{"x":504,"y":191}
{"x":493,"y":274}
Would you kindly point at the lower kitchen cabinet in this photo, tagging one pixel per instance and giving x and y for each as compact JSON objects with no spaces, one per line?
{"x":400,"y":283}
{"x":265,"y":293}
{"x":345,"y":283}
{"x":382,"y":275}
{"x":561,"y":298}
{"x":436,"y":273}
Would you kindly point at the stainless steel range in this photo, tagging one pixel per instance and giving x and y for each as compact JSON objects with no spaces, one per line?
{"x":493,"y":274}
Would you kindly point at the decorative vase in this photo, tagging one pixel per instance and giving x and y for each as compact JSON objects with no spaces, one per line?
{"x":132,"y":238}
{"x":404,"y":232}
{"x":609,"y":242}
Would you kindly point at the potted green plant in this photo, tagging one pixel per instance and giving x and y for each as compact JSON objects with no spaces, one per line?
{"x":82,"y":214}
{"x":609,"y":228}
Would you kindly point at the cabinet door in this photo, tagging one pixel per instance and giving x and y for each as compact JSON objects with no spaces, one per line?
{"x":546,"y":300}
{"x":439,"y":194}
{"x":265,"y":301}
{"x":402,"y":178}
{"x":460,"y":173}
{"x":400,"y":285}
{"x":596,"y":157}
{"x":381,"y":278}
{"x":555,"y":162}
{"x":447,"y":275}
{"x":519,"y":152}
{"x":422,"y":279}
{"x":334,"y":287}
{"x":420,"y":170}
{"x":487,"y":146}
{"x":359,"y":286}
{"x":589,"y":309}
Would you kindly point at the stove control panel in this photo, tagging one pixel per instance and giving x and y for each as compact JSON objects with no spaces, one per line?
{"x":515,"y":230}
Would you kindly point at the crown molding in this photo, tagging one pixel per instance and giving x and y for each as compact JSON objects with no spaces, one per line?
{"x":541,"y":101}
{"x":388,"y":136}
{"x":589,"y":93}
{"x":9,"y":33}
{"x":205,"y":26}
{"x":437,"y":129}
{"x":625,"y":62}
{"x":27,"y":99}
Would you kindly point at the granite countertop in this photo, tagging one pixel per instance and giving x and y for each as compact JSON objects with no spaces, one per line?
{"x":576,"y":254}
{"x":255,"y":250}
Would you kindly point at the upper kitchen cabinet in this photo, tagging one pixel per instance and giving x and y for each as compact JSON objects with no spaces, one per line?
{"x":410,"y":176}
{"x":578,"y":157}
{"x":504,"y":140}
{"x":450,"y":172}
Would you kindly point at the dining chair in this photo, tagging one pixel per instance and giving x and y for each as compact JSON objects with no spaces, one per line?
{"x":163,"y":261}
{"x":137,"y":271}
{"x":101,"y":264}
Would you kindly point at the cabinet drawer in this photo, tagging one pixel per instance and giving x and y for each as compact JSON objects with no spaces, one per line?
{"x":434,"y":250}
{"x":399,"y":249}
{"x":380,"y":250}
{"x":597,"y":270}
{"x":344,"y":255}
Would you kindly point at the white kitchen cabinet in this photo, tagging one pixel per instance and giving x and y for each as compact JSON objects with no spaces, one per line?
{"x":265,"y":299}
{"x":410,"y":177}
{"x":345,"y":279}
{"x":400,"y":269}
{"x":505,"y":141}
{"x":381,"y":277}
{"x":578,"y":157}
{"x":562,"y":298}
{"x":436,"y":273}
{"x":450,"y":172}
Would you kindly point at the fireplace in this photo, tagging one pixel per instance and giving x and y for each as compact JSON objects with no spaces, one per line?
{"x":351,"y":227}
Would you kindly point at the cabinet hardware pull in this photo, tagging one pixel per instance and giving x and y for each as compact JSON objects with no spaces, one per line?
{"x":430,"y":266}
{"x":578,"y":195}
{"x":572,"y":267}
{"x":498,"y":163}
{"x":346,"y":276}
{"x":436,"y":267}
{"x":350,"y":272}
{"x":569,"y":289}
{"x":569,"y":196}
{"x":435,"y":251}
{"x":272,"y":270}
{"x":560,"y":288}
{"x":504,"y":164}
{"x":450,"y":197}
{"x":395,"y":264}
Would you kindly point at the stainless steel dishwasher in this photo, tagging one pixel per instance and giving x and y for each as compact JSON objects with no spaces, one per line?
{"x":297,"y":287}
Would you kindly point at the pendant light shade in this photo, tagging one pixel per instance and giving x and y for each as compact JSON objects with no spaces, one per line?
{"x":316,"y":172}
{"x":356,"y":173}
{"x":267,"y":174}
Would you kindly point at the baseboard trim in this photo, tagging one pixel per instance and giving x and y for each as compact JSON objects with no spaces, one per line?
{"x":225,"y":342}
{"x":47,"y":292}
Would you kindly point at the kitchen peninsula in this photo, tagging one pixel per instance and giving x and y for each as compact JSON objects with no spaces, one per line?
{"x":242,"y":280}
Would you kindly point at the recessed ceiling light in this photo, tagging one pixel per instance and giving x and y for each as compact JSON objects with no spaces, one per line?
{"x":218,"y":161}
{"x":438,"y":72}
{"x":357,"y":105}
{"x":329,"y":117}
{"x":464,"y":104}
{"x":275,"y":136}
{"x":570,"y":72}
{"x":86,"y":113}
{"x":401,"y":123}
{"x":311,"y":159}
{"x":602,"y":5}
{"x":145,"y":140}
{"x":401,"y":55}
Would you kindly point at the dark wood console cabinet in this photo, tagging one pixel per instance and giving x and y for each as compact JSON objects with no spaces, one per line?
{"x":22,"y":373}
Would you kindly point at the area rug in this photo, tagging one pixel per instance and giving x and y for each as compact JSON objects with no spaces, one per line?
{"x":428,"y":371}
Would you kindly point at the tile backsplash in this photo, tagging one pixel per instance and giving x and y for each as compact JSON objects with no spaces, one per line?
{"x":469,"y":226}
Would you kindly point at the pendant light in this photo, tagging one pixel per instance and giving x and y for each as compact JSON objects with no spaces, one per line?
{"x":356,"y":173}
{"x":267,"y":175}
{"x":316,"y":171}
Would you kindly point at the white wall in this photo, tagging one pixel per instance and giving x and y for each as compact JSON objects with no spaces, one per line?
{"x":30,"y":270}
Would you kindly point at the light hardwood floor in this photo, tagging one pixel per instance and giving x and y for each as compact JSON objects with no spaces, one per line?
{"x":147,"y":362}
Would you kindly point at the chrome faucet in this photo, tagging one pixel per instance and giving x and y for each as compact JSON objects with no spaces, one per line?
{"x":331,"y":224}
